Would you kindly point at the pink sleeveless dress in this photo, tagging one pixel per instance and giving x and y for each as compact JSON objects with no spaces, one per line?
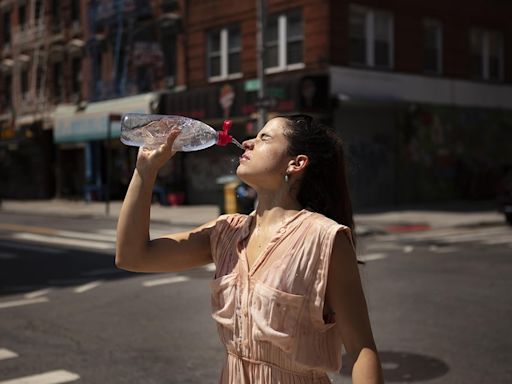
{"x":270,"y":317}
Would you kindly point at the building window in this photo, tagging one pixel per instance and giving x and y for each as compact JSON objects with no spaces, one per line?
{"x":8,"y":89}
{"x":433,"y":46}
{"x":76,"y":65}
{"x":371,"y":37}
{"x":39,"y":81}
{"x":22,"y":16}
{"x":24,"y":83}
{"x":224,"y":47}
{"x":284,"y":41}
{"x":75,"y":11}
{"x":486,"y":54}
{"x":57,"y":81}
{"x":6,"y":27}
{"x":56,"y":20}
{"x":170,"y":6}
{"x":39,"y":9}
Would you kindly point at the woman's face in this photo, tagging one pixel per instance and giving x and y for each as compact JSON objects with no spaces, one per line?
{"x":265,"y":160}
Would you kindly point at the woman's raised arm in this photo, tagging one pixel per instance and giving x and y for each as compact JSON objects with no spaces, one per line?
{"x":134,"y":249}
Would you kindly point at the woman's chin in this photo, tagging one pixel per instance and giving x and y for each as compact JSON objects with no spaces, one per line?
{"x":243,"y":175}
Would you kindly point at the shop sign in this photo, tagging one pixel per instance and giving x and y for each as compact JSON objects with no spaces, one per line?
{"x":252,"y":85}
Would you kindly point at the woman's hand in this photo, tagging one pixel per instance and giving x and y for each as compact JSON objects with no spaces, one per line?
{"x":149,"y":161}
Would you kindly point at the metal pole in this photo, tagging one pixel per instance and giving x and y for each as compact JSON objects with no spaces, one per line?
{"x":107,"y":181}
{"x":260,"y":47}
{"x":111,"y":118}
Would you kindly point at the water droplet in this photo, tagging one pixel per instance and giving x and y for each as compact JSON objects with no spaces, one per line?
{"x":235,"y":141}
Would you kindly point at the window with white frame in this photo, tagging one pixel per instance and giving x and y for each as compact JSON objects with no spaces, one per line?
{"x":284,"y":41}
{"x":371,"y":37}
{"x":224,"y":47}
{"x":487,"y":61}
{"x":432,"y":46}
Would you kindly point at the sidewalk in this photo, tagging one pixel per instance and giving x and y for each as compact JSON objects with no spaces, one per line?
{"x":383,"y":220}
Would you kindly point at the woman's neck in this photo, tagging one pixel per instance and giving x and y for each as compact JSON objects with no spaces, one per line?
{"x":275,"y":208}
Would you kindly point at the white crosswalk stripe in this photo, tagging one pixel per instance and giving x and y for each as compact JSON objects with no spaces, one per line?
{"x":87,"y":287}
{"x":372,"y":257}
{"x":19,"y":303}
{"x":52,"y":377}
{"x":166,"y":280}
{"x":7,"y":354}
{"x":99,"y":245}
{"x":455,"y":236}
{"x":38,"y":293}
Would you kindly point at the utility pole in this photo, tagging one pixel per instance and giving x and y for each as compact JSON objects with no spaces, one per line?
{"x":261,"y":22}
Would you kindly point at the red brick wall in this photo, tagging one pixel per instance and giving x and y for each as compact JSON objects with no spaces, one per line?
{"x":203,"y":15}
{"x":457,"y":17}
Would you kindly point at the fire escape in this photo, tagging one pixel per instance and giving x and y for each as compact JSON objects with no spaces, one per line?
{"x":137,"y":38}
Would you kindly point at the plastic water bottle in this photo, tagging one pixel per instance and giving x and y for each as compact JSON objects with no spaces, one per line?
{"x":151,"y":131}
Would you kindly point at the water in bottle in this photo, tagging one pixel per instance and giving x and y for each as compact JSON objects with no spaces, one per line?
{"x":151,"y":131}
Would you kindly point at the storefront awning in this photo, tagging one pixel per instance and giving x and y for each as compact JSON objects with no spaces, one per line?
{"x":92,"y":122}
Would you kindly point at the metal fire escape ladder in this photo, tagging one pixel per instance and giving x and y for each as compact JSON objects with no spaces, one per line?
{"x":119,"y":37}
{"x":38,"y":27}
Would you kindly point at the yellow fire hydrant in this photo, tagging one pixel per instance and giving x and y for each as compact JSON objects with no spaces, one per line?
{"x":230,"y":197}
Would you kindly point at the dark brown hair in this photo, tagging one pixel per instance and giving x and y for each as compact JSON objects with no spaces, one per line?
{"x":324,"y":186}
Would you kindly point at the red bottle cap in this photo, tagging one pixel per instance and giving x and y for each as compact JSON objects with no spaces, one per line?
{"x":224,"y":136}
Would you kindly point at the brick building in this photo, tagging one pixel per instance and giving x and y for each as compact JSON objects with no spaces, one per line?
{"x":40,"y":66}
{"x":414,"y":88}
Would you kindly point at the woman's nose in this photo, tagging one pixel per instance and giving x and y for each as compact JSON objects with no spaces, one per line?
{"x":247,"y":144}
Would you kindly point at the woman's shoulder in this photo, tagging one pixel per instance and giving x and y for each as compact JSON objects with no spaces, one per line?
{"x":232,"y":219}
{"x":323,"y":222}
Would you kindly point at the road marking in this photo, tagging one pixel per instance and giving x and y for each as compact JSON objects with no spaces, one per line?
{"x":63,"y":241}
{"x":53,"y":377}
{"x":24,"y":247}
{"x":40,"y":292}
{"x":8,"y":255}
{"x":499,"y":240}
{"x":442,"y":249}
{"x":27,"y":228}
{"x":167,"y":280}
{"x":85,"y":236}
{"x":372,"y":257}
{"x":87,"y":287}
{"x":109,"y":232}
{"x":210,"y":267}
{"x":408,"y":249}
{"x":18,"y":303}
{"x":6,"y":354}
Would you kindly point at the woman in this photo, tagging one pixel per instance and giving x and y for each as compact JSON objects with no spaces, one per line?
{"x":287,"y":293}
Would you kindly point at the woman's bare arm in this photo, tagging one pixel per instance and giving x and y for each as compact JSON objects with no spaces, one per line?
{"x":134,"y":249}
{"x":345,"y":297}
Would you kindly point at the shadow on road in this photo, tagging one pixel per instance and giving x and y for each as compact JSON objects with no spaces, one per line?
{"x":406,"y":367}
{"x":25,"y":268}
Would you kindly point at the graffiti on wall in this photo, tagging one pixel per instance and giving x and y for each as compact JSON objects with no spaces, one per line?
{"x":458,"y":152}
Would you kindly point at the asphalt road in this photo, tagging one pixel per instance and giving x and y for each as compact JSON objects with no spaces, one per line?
{"x":439,"y":302}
